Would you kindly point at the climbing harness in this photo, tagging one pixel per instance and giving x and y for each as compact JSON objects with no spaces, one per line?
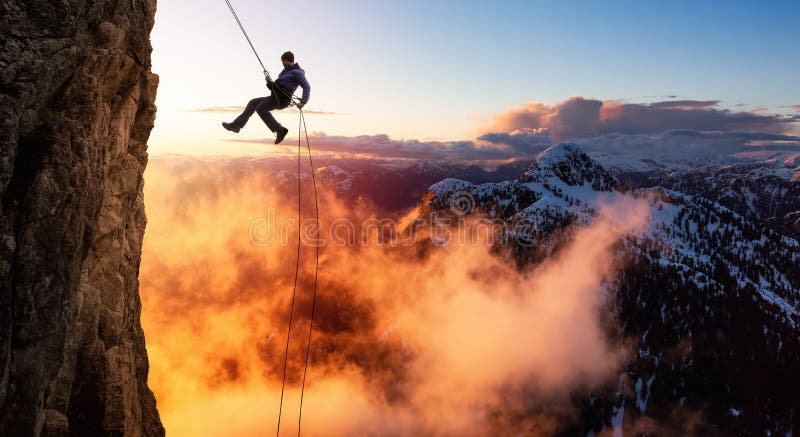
{"x":302,"y":128}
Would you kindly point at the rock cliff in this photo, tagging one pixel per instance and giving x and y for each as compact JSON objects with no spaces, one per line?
{"x":77,"y":106}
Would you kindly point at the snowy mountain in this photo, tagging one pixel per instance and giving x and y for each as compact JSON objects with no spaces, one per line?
{"x":335,"y":175}
{"x":758,"y":182}
{"x":710,"y":294}
{"x":782,"y":161}
{"x":764,"y":191}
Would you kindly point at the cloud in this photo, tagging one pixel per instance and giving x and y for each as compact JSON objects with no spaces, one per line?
{"x":579,"y":117}
{"x":525,"y":142}
{"x":239,"y":109}
{"x":385,"y":147}
{"x":674,"y":129}
{"x":682,"y":126}
{"x":678,"y":142}
{"x":405,"y":341}
{"x":671,"y":144}
{"x":685,"y":104}
{"x":217,"y":109}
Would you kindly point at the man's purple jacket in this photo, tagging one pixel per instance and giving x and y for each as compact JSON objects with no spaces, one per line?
{"x":292,"y":77}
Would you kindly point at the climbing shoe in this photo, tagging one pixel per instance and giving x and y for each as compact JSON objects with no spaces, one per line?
{"x":231,"y":127}
{"x":282,"y":131}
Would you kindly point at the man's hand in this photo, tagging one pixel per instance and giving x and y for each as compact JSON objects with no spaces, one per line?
{"x":300,"y":105}
{"x":267,"y":78}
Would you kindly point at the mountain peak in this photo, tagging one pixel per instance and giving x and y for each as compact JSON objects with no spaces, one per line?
{"x":559,"y":152}
{"x":571,"y":165}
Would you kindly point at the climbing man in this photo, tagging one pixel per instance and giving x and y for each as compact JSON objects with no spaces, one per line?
{"x":282,"y":90}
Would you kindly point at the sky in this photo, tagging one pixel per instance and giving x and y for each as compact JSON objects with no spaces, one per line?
{"x":442,"y":71}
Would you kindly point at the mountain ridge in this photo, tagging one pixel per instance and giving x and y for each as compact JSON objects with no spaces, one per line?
{"x":695,"y":262}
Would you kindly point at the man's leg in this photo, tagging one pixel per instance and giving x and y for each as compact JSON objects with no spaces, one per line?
{"x":241,"y":120}
{"x":263,"y":108}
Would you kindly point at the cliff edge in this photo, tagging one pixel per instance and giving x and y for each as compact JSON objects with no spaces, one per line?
{"x":77,"y":106}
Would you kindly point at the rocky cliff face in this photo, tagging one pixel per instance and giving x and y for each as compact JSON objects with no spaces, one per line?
{"x":77,"y":106}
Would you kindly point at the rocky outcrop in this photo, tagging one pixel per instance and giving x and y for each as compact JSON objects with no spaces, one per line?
{"x":570,"y":164}
{"x":77,"y":106}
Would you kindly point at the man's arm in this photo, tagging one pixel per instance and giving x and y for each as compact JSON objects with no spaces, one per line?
{"x":303,"y":82}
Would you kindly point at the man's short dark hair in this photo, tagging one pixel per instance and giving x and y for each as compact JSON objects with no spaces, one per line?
{"x":288,"y":56}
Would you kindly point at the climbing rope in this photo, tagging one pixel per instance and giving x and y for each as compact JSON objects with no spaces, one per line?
{"x":292,"y":98}
{"x":301,"y":124}
{"x":302,"y":128}
{"x":316,"y":268}
{"x":294,"y":289}
{"x":244,"y":32}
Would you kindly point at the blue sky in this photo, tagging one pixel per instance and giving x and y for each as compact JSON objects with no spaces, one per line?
{"x":441,"y":69}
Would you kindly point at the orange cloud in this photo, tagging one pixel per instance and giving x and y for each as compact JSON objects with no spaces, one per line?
{"x":408,"y":341}
{"x":580,"y":117}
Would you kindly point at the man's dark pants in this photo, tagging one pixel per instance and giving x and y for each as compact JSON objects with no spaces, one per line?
{"x":262,"y":105}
